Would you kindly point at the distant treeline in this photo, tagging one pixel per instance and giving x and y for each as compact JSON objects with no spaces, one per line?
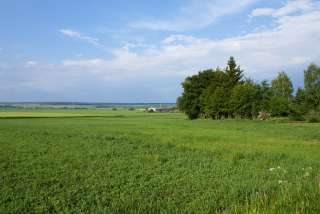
{"x":226,"y":93}
{"x":81,"y":105}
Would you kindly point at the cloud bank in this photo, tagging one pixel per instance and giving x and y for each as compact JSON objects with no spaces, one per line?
{"x":289,"y":43}
{"x":154,"y":72}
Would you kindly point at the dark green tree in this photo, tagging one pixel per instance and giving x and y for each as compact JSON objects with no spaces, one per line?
{"x":298,"y":106}
{"x":215,"y":103}
{"x":246,"y":100}
{"x":312,"y":86}
{"x":234,"y":73}
{"x":280,"y":106}
{"x":210,"y":97}
{"x":223,"y":93}
{"x":207,"y":93}
{"x":193,"y":88}
{"x":266,"y":95}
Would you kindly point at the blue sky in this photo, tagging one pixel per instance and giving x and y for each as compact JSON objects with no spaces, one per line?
{"x":140,"y":51}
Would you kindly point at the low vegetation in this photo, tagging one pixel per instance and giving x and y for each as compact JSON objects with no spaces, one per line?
{"x":225,"y":93}
{"x":104,"y":161}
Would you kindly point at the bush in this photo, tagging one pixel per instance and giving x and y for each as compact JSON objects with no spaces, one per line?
{"x":296,"y":116}
{"x":280,"y":106}
{"x":313,"y":116}
{"x":131,"y":109}
{"x":114,"y":109}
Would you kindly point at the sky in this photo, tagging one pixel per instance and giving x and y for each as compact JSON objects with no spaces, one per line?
{"x":141,"y":51}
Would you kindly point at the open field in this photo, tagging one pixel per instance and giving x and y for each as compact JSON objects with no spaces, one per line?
{"x":124,"y":161}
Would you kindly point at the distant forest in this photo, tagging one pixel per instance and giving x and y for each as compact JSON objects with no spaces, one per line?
{"x":226,"y":93}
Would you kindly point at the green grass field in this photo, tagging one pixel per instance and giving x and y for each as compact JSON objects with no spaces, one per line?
{"x":103,"y":161}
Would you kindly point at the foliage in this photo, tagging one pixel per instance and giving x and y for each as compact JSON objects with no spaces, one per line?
{"x":280,"y":106}
{"x":234,"y":73}
{"x":213,"y":99}
{"x":215,"y":103}
{"x":282,"y":90}
{"x":266,"y":95}
{"x":313,"y":116}
{"x":298,"y":106}
{"x":282,"y":86}
{"x":193,"y":88}
{"x":200,"y":97}
{"x":219,"y":94}
{"x":312,"y":86}
{"x":245,"y":100}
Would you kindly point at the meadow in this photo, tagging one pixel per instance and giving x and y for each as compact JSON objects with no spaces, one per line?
{"x":103,"y":161}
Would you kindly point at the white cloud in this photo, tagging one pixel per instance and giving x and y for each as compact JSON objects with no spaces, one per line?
{"x":80,"y":36}
{"x":263,"y":53}
{"x":289,"y":45}
{"x":290,"y":7}
{"x":195,"y":15}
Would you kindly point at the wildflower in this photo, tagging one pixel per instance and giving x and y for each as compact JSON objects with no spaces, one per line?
{"x":271,"y":169}
{"x":278,"y":167}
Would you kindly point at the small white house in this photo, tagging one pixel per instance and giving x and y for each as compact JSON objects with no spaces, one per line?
{"x":161,"y":110}
{"x":152,"y":109}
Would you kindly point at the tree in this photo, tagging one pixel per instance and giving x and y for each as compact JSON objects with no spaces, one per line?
{"x":312,"y":86}
{"x":189,"y":102}
{"x":234,"y":72}
{"x":266,"y":95}
{"x":212,"y":105}
{"x":282,"y":85}
{"x":246,"y":100}
{"x":193,"y":88}
{"x":223,"y":81}
{"x":215,"y":103}
{"x":180,"y":104}
{"x":224,"y":93}
{"x":298,"y":106}
{"x":280,"y":106}
{"x":207,"y":93}
{"x":282,"y":90}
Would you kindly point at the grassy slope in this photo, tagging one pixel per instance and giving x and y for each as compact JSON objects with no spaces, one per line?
{"x":137,"y":162}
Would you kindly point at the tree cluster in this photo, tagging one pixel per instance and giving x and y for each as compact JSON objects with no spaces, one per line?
{"x":226,"y":93}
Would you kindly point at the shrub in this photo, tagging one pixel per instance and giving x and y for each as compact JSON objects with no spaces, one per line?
{"x":313,"y":116}
{"x":280,"y":106}
{"x":114,"y":109}
{"x":131,"y":109}
{"x":296,"y":116}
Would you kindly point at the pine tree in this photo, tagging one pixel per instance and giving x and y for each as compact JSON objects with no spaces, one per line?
{"x":234,"y":72}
